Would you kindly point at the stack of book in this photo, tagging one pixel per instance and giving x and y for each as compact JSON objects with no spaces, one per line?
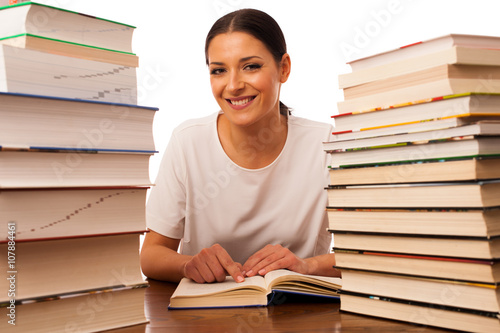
{"x":414,"y":195}
{"x":74,"y":172}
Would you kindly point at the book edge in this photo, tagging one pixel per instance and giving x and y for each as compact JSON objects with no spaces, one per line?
{"x":66,"y":42}
{"x":64,"y":10}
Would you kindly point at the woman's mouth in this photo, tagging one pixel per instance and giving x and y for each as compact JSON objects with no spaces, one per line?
{"x":240,"y":103}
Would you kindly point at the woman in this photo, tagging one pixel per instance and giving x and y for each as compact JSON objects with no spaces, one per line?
{"x":242,"y":190}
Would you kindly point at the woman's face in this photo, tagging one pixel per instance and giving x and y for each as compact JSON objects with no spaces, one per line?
{"x":245,"y":78}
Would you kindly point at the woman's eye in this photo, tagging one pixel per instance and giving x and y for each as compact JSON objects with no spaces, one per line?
{"x":252,"y":66}
{"x":216,"y":71}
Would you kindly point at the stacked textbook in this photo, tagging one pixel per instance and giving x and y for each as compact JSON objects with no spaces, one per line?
{"x":414,"y":195}
{"x":74,"y":172}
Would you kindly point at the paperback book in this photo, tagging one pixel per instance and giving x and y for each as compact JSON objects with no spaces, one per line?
{"x":69,"y":49}
{"x":417,"y":172}
{"x":431,"y":245}
{"x":40,"y":73}
{"x":433,"y":150}
{"x":456,"y":55}
{"x":47,"y":167}
{"x":418,"y":111}
{"x":463,"y":269}
{"x":26,"y":17}
{"x":119,"y":307}
{"x":474,"y":194}
{"x":54,"y":213}
{"x":446,"y":292}
{"x":76,"y":264}
{"x":426,"y":47}
{"x":479,"y":222}
{"x":421,"y":313}
{"x":46,"y":121}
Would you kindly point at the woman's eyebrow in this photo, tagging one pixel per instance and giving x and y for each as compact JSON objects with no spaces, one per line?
{"x":218,"y":63}
{"x":249,"y":58}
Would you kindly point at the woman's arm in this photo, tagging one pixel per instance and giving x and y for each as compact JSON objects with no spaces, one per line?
{"x":273,"y":257}
{"x":161,"y":261}
{"x":322,"y":265}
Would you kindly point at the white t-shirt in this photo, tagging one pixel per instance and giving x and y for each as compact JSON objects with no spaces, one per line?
{"x":202,"y":197}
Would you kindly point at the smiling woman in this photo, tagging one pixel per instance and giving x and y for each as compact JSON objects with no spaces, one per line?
{"x":254,"y":23}
{"x":242,"y":190}
{"x":246,"y":82}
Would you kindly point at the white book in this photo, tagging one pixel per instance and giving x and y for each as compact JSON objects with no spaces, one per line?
{"x":43,"y":168}
{"x":60,"y":24}
{"x":452,"y":148}
{"x":44,"y":121}
{"x":485,"y":128}
{"x":33,"y":72}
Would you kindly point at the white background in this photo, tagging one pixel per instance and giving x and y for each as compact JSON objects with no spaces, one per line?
{"x":322,"y":35}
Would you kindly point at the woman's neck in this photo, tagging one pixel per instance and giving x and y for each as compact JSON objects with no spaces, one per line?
{"x":256,"y":146}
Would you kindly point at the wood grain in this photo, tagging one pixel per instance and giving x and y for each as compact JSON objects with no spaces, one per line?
{"x":290,"y":314}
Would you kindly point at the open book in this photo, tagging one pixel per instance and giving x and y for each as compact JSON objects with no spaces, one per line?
{"x":254,"y":291}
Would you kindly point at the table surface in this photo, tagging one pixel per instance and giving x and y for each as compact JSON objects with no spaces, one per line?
{"x":294,"y":315}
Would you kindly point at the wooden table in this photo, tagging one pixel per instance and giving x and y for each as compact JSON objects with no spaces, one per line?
{"x":294,"y":315}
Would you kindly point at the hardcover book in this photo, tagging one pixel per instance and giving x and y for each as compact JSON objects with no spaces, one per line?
{"x":254,"y":291}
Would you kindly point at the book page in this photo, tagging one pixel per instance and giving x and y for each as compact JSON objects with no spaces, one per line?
{"x":280,"y":275}
{"x":188,"y":287}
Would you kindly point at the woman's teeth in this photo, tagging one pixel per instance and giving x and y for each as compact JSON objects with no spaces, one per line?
{"x":241,"y":101}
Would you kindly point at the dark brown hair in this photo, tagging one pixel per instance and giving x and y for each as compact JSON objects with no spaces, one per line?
{"x":258,"y":24}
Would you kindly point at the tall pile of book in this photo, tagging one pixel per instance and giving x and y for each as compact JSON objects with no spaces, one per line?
{"x":74,"y":172}
{"x":414,"y":195}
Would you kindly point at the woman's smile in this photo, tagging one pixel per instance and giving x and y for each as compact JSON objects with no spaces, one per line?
{"x":241,"y":102}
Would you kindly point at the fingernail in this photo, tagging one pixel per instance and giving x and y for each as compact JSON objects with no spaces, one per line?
{"x":262,"y":272}
{"x":240,"y":278}
{"x":250,"y":273}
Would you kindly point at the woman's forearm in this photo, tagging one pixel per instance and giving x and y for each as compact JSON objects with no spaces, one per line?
{"x":160,"y":261}
{"x":322,"y":265}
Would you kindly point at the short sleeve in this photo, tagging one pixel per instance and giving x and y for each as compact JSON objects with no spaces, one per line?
{"x":166,"y":207}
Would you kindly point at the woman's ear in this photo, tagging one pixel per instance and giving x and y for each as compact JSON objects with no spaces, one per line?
{"x":285,"y":67}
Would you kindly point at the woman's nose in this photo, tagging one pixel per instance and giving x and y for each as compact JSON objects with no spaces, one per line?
{"x":235,"y":82}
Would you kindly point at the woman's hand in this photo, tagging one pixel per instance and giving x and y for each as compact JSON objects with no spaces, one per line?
{"x":212,"y":264}
{"x":273,"y":257}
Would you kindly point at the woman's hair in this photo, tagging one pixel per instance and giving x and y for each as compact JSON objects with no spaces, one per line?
{"x":258,"y":24}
